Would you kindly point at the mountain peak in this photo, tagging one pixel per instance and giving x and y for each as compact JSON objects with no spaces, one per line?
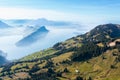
{"x":40,"y":33}
{"x":42,"y":28}
{"x":110,"y":25}
{"x":103,"y":32}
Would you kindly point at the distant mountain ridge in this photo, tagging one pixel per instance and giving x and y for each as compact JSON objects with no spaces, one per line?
{"x":43,"y":21}
{"x":37,"y":22}
{"x":33,"y":37}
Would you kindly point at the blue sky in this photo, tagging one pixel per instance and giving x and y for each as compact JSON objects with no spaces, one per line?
{"x":89,"y":11}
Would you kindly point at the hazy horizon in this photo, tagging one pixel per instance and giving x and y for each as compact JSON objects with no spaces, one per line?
{"x":84,"y":12}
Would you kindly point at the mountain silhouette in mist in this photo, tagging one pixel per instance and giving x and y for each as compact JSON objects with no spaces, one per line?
{"x":33,"y":37}
{"x":4,"y":25}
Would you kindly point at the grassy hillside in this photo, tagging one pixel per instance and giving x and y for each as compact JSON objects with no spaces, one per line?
{"x":85,"y":57}
{"x":39,"y":54}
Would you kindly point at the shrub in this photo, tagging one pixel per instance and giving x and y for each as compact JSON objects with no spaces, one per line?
{"x":79,"y":78}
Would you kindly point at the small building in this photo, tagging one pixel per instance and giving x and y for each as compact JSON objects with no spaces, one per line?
{"x":114,"y":43}
{"x":77,"y":71}
{"x":111,"y":44}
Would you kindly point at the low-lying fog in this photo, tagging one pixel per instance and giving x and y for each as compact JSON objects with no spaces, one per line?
{"x":10,"y":36}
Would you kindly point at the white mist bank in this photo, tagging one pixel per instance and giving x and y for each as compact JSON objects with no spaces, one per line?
{"x":8,"y":41}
